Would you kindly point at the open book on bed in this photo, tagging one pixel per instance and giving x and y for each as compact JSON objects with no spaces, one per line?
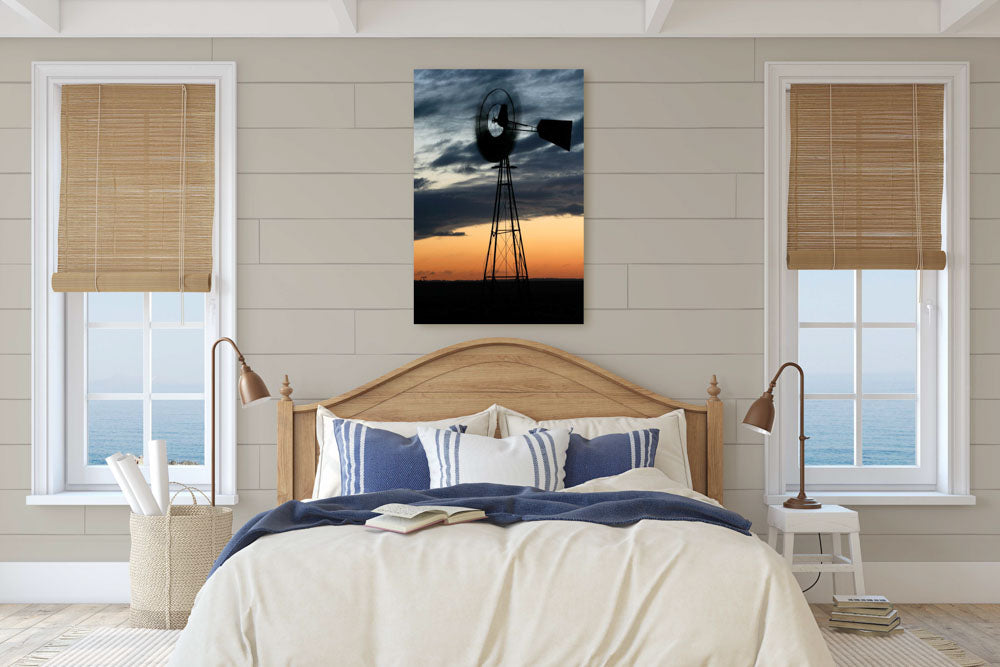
{"x":402,"y":518}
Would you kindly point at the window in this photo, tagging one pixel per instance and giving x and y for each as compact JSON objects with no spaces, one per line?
{"x":861,"y":337}
{"x":885,"y":352}
{"x":136,"y":372}
{"x":113,"y":370}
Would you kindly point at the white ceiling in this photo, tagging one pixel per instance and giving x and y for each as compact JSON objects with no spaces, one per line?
{"x":498,"y":18}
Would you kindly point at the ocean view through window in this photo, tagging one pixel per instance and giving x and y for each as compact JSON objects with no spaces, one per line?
{"x":858,"y":342}
{"x":145,"y":374}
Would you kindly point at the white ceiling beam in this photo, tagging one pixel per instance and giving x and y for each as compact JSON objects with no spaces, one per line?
{"x":656,"y":15}
{"x":44,"y":13}
{"x":347,"y":14}
{"x":958,"y":14}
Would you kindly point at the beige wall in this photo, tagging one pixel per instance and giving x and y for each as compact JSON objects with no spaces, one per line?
{"x":674,"y":291}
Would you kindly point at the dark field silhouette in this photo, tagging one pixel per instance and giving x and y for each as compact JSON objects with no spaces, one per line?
{"x":544,"y":301}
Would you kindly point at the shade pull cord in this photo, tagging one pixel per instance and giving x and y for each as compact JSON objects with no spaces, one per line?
{"x":97,"y":189}
{"x":916,"y":184}
{"x":180,"y":240}
{"x":833,"y":205}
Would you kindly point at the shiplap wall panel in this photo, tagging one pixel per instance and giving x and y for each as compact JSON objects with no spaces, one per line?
{"x":325,"y":151}
{"x":16,"y":108}
{"x":985,"y":98}
{"x":604,"y":332}
{"x":674,"y":245}
{"x":15,"y":195}
{"x":673,"y":105}
{"x":289,"y":105}
{"x":15,"y":158}
{"x":660,"y":241}
{"x":16,"y":327}
{"x":717,"y":150}
{"x":15,"y":415}
{"x":386,"y":105}
{"x":16,"y":246}
{"x":336,"y":241}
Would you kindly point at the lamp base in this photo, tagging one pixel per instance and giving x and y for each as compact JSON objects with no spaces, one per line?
{"x":802,"y":504}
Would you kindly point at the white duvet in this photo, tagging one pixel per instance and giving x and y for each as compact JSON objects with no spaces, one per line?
{"x":538,"y":593}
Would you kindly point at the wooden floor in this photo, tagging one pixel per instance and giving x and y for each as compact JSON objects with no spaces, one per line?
{"x":26,"y":627}
{"x":974,"y":627}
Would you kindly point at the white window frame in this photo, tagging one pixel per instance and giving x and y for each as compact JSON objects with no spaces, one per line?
{"x":49,"y":309}
{"x":949,"y":302}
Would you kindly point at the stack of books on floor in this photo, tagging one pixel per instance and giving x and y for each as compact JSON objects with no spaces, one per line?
{"x":864,"y":613}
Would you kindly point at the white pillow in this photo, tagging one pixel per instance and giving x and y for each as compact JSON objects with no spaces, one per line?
{"x":671,"y":452}
{"x":536,"y":459}
{"x":327,"y":482}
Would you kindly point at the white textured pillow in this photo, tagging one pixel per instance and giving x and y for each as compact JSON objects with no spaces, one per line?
{"x":327,"y":482}
{"x":535,"y":459}
{"x":671,"y":452}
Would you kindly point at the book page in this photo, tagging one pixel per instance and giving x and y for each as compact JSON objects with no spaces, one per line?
{"x":406,"y":511}
{"x":450,"y":511}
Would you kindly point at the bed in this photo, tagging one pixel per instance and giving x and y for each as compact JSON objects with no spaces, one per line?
{"x":545,"y":592}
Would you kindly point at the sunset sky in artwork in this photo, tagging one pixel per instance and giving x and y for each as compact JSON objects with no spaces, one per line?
{"x":454,"y":186}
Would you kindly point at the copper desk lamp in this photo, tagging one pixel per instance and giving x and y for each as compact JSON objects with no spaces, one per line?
{"x":252,"y":390}
{"x":760,"y":418}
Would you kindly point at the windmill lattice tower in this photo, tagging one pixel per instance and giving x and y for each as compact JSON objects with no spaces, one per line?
{"x":496,"y":126}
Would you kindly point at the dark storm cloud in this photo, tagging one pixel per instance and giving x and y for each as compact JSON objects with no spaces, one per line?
{"x":441,"y":211}
{"x":454,"y":186}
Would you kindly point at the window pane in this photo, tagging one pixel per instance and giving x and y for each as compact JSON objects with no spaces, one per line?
{"x":888,"y":432}
{"x":113,"y":426}
{"x":827,"y":357}
{"x":114,"y":307}
{"x":166,"y":307}
{"x":889,"y":361}
{"x":114,"y":360}
{"x":182,"y":425}
{"x":830,"y":427}
{"x":194,"y":306}
{"x":889,"y":296}
{"x":178,"y":360}
{"x":826,"y":296}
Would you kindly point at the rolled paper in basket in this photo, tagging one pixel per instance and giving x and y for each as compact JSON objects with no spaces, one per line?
{"x":147,"y":503}
{"x":112,"y":462}
{"x":158,"y":474}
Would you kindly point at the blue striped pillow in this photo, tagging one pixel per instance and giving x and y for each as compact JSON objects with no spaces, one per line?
{"x":610,"y":454}
{"x":536,"y":459}
{"x":372,"y":459}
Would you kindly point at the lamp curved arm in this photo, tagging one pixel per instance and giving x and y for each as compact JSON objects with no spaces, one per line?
{"x":239,"y":355}
{"x":802,"y":394}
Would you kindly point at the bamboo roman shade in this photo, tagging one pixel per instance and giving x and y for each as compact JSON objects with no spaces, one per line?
{"x":137,"y":195}
{"x":866,"y":176}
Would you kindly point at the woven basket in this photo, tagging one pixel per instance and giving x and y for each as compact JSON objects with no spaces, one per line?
{"x":170,"y":559}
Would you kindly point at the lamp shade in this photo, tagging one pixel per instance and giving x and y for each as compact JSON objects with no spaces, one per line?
{"x":760,"y":416}
{"x":252,"y":387}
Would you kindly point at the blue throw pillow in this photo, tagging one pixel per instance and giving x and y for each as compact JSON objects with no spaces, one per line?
{"x":372,"y":459}
{"x":610,"y":454}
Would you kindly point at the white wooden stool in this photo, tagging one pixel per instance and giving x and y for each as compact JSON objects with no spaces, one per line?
{"x":832,"y":519}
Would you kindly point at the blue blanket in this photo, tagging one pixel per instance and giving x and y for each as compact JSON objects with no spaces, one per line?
{"x":503,"y":505}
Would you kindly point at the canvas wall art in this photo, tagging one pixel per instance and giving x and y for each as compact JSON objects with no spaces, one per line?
{"x":498,"y":196}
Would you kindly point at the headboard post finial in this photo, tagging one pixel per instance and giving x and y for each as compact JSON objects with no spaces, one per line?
{"x":286,"y":390}
{"x":714,"y":390}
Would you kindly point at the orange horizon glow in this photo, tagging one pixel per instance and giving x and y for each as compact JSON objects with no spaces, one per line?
{"x":553,"y":248}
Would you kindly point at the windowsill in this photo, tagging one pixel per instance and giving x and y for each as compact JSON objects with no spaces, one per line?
{"x":113,"y":498}
{"x":881,"y":498}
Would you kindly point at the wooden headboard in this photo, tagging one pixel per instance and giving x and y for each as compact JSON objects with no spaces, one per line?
{"x":538,"y":380}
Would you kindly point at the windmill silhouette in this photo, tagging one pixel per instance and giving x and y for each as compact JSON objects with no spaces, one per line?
{"x":496,"y":128}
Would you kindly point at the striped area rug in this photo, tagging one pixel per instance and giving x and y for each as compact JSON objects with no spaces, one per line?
{"x":914,"y":648}
{"x":100,"y":647}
